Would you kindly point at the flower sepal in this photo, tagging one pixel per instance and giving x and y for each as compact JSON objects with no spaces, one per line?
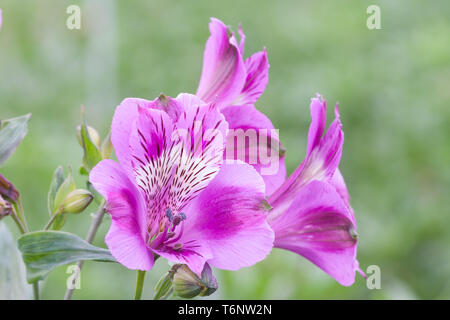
{"x":186,"y":284}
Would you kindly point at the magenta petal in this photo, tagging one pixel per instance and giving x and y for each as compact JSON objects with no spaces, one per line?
{"x":223,"y":74}
{"x":262,"y":150}
{"x":339,"y":183}
{"x":123,"y":201}
{"x":257,"y":67}
{"x":193,"y":253}
{"x":126,"y":235}
{"x":319,"y":226}
{"x":318,"y":109}
{"x":128,"y":248}
{"x":230,"y":217}
{"x":242,"y":40}
{"x":322,"y":159}
{"x":124,"y":117}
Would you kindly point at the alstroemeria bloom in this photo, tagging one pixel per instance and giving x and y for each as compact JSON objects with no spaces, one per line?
{"x":235,"y":85}
{"x":171,"y":195}
{"x":311,"y":212}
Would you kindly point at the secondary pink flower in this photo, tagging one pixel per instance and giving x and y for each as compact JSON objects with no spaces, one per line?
{"x":171,"y":195}
{"x":226,"y":78}
{"x":235,"y":85}
{"x":311,"y":212}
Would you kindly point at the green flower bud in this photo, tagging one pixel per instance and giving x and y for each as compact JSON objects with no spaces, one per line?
{"x":107,"y":147}
{"x":186,"y":284}
{"x":5,"y":208}
{"x":76,"y":201}
{"x":93,"y":134}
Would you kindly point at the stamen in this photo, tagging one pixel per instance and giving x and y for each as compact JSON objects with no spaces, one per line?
{"x":169,"y":214}
{"x":170,"y":235}
{"x":183,"y":216}
{"x":176,"y":220}
{"x":178,"y":246}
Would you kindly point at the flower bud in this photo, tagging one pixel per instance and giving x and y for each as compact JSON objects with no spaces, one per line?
{"x":107,"y":147}
{"x":7,"y":189}
{"x":186,"y":284}
{"x":93,"y":134}
{"x":76,"y":201}
{"x":5,"y":208}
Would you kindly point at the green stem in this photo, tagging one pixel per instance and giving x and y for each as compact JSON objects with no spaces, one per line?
{"x":89,"y":238}
{"x":36,"y":290}
{"x":50,"y":222}
{"x":18,"y":222}
{"x":139,"y":284}
{"x":20,"y":214}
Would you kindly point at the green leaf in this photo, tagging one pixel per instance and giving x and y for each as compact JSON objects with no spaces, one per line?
{"x":42,"y":251}
{"x":13,"y":284}
{"x":59,"y":222}
{"x":57,"y":181}
{"x":92,"y":154}
{"x":163,"y":286}
{"x":12,"y":131}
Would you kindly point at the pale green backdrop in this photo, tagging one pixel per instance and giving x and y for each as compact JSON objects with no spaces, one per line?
{"x":393,"y":86}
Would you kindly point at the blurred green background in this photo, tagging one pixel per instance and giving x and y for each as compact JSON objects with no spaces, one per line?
{"x":393,"y":86}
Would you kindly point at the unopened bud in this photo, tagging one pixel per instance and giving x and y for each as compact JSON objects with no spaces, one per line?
{"x":7,"y":189}
{"x":107,"y":147}
{"x":93,"y":134}
{"x":5,"y":208}
{"x":76,"y":201}
{"x":186,"y":284}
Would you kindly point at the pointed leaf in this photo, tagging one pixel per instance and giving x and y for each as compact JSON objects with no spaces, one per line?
{"x":42,"y":251}
{"x":13,"y":284}
{"x":12,"y":131}
{"x":92,"y":154}
{"x":57,"y":181}
{"x":163,"y":286}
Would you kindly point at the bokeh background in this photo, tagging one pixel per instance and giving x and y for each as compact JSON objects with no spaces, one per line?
{"x":393,"y":86}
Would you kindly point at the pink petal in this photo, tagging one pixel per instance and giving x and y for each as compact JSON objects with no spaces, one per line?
{"x":318,"y":109}
{"x":223,"y":74}
{"x":230,"y":217}
{"x":124,"y":202}
{"x":339,"y":183}
{"x":242,"y":42}
{"x":124,"y":117}
{"x":319,"y":227}
{"x":263,"y":150}
{"x":322,"y":159}
{"x":126,"y":235}
{"x":128,"y":248}
{"x":193,"y":253}
{"x":257,"y":67}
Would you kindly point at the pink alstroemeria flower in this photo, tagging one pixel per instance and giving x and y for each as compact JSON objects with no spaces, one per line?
{"x":170,"y":194}
{"x":235,"y":85}
{"x":311,"y":212}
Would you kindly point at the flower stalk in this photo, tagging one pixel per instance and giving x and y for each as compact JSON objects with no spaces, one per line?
{"x":139,"y":284}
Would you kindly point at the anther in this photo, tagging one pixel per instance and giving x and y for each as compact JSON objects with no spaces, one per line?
{"x":169,"y":214}
{"x":182,"y":215}
{"x":170,"y":234}
{"x":176,"y":220}
{"x":178,"y":246}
